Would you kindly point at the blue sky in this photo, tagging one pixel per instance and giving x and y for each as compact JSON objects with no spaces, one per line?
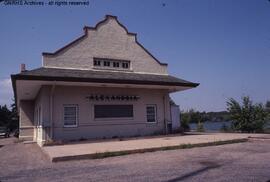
{"x":224,"y":45}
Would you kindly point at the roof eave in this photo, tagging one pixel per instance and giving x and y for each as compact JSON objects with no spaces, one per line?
{"x":98,"y":80}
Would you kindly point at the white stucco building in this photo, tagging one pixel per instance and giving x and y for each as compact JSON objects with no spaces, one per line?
{"x":103,"y":84}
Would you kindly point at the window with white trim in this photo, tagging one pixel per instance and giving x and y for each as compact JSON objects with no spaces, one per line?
{"x":125,"y":65}
{"x":116,"y":64}
{"x":96,"y":63}
{"x":70,"y":115}
{"x":151,"y":113}
{"x":106,"y":63}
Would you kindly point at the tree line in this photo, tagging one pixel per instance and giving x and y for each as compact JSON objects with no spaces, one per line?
{"x":245,"y":117}
{"x":9,"y":117}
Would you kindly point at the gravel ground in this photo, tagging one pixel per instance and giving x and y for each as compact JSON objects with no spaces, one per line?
{"x":249,"y":161}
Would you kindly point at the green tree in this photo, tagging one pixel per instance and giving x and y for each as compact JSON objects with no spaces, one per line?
{"x":247,"y":117}
{"x":9,"y":118}
{"x":4,"y":115}
{"x":184,"y":120}
{"x":195,"y":116}
{"x":267,"y":106}
{"x":14,"y":118}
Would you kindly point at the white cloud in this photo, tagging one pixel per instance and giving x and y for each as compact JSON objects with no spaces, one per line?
{"x":6,"y":92}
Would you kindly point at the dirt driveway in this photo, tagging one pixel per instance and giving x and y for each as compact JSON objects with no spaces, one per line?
{"x":249,"y":161}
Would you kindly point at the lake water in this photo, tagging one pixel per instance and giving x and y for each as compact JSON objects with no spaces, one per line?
{"x":211,"y":126}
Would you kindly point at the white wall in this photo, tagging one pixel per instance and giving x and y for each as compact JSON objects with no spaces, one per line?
{"x":88,"y":127}
{"x":26,"y":122}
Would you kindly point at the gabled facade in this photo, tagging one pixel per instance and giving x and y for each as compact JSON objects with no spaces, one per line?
{"x":104,"y":84}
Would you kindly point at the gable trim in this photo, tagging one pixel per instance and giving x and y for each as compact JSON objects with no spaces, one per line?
{"x":95,"y":28}
{"x":65,"y":47}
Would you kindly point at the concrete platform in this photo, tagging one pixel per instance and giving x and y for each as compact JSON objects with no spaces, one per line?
{"x":85,"y":150}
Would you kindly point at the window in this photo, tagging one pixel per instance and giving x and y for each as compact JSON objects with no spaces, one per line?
{"x":96,"y":63}
{"x":106,"y":63}
{"x":116,"y":64}
{"x":113,"y":111}
{"x":125,"y":65}
{"x":70,"y":115}
{"x":151,"y":113}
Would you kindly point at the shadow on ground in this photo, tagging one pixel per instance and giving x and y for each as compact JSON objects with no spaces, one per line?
{"x":208,"y":166}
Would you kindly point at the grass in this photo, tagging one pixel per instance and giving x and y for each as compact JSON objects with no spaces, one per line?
{"x":120,"y":153}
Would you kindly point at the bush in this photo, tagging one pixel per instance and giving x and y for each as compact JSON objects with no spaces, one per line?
{"x":247,"y":117}
{"x":224,"y":128}
{"x":200,"y":127}
{"x":185,"y":122}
